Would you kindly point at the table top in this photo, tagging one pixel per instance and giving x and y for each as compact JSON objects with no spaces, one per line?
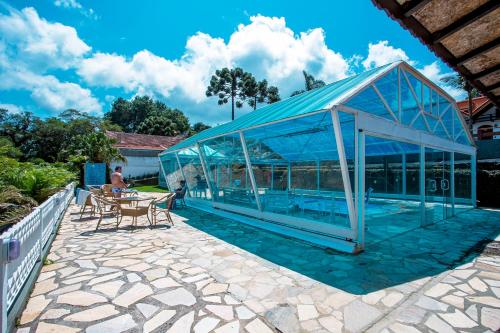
{"x":134,"y":198}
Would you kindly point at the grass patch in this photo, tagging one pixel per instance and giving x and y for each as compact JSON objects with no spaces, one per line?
{"x":48,"y":262}
{"x":150,"y":188}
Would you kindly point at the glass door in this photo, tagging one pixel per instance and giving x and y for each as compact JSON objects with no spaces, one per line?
{"x":437,"y":185}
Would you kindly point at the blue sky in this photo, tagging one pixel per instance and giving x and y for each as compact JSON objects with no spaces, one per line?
{"x":57,"y":54}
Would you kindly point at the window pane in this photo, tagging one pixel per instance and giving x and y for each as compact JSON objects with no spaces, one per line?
{"x":172,"y":171}
{"x":463,"y":182}
{"x":305,"y":148}
{"x":228,"y":174}
{"x":389,"y":209}
{"x":409,"y":106}
{"x":193,"y":171}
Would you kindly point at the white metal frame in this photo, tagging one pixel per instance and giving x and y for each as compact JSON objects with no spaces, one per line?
{"x":365,"y":124}
{"x":344,"y":169}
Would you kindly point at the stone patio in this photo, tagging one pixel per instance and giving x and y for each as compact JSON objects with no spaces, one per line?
{"x":211,"y":274}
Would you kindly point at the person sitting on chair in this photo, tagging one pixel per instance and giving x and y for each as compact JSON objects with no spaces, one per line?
{"x":179,"y":193}
{"x":118,"y":182}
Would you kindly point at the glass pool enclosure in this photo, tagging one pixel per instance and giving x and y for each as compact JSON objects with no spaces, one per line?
{"x":356,"y":161}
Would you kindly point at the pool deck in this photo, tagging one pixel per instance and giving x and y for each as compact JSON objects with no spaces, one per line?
{"x":210,"y":274}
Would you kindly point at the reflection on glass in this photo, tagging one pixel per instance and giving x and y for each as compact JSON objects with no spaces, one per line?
{"x":296,"y":168}
{"x":228,"y":174}
{"x":193,"y":171}
{"x":172,"y":171}
{"x":437,"y":185}
{"x":463,"y":183}
{"x":392,"y":203}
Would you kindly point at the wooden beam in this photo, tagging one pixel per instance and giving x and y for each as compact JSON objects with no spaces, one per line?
{"x":478,"y":51}
{"x":411,"y":7}
{"x":393,"y":10}
{"x":493,"y":86}
{"x":485,"y":72}
{"x":475,"y":15}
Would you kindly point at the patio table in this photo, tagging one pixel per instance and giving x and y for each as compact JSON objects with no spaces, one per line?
{"x":133,"y":201}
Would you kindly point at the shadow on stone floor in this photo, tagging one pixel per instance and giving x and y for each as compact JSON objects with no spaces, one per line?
{"x":420,"y":253}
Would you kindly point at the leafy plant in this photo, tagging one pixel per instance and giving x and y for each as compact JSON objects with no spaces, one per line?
{"x":96,"y":147}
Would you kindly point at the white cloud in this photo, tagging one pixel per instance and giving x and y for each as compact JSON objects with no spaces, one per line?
{"x":13,"y":108}
{"x":37,"y":43}
{"x":47,"y":91}
{"x":265,"y":47}
{"x":73,"y":4}
{"x":30,"y":47}
{"x":67,"y":3}
{"x":382,"y":53}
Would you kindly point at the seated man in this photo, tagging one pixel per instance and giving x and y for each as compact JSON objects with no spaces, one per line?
{"x":118,"y":182}
{"x":179,"y":193}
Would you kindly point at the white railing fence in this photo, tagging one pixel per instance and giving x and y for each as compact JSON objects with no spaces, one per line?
{"x":22,"y":248}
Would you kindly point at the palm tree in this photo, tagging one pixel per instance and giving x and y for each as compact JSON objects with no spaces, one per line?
{"x":459,"y":82}
{"x":228,"y":84}
{"x":310,"y":84}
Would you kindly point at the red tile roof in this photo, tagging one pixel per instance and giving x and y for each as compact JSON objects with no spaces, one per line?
{"x":478,"y":104}
{"x":143,"y":141}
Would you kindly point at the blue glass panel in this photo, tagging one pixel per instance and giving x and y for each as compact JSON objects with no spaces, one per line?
{"x":172,"y":171}
{"x":417,"y":86}
{"x":409,"y":106}
{"x":439,"y":131}
{"x":458,"y":127}
{"x":388,"y":88}
{"x":420,"y":124}
{"x":426,"y":99}
{"x":435,"y":102}
{"x":368,"y":100}
{"x":227,"y":171}
{"x":462,"y":138}
{"x":432,"y":122}
{"x":193,"y":171}
{"x":446,"y":114}
{"x":297,"y":169}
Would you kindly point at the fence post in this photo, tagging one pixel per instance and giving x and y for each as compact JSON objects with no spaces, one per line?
{"x":4,"y":284}
{"x":40,"y":225}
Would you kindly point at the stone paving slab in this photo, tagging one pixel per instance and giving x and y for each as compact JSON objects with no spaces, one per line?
{"x":210,"y":274}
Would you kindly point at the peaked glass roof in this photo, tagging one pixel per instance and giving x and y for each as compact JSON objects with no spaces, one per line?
{"x":307,"y":102}
{"x":390,"y":91}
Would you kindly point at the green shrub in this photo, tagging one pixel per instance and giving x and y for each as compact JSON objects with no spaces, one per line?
{"x":37,"y":181}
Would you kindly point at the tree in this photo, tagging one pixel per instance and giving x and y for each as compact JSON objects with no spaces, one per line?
{"x":96,"y":147}
{"x":459,"y":82}
{"x":200,"y":127}
{"x":135,"y":116}
{"x":310,"y":83}
{"x":158,"y":124}
{"x":17,"y":126}
{"x":227,"y":84}
{"x":259,"y":92}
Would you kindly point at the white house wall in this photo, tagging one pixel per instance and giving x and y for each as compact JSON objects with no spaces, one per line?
{"x":137,"y":166}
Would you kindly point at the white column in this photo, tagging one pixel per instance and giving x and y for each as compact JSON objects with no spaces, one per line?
{"x":250,"y":171}
{"x":452,"y":182}
{"x":403,"y":174}
{"x":361,"y":190}
{"x":344,"y":169}
{"x":317,"y":174}
{"x":473,"y":174}
{"x":422,"y":185}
